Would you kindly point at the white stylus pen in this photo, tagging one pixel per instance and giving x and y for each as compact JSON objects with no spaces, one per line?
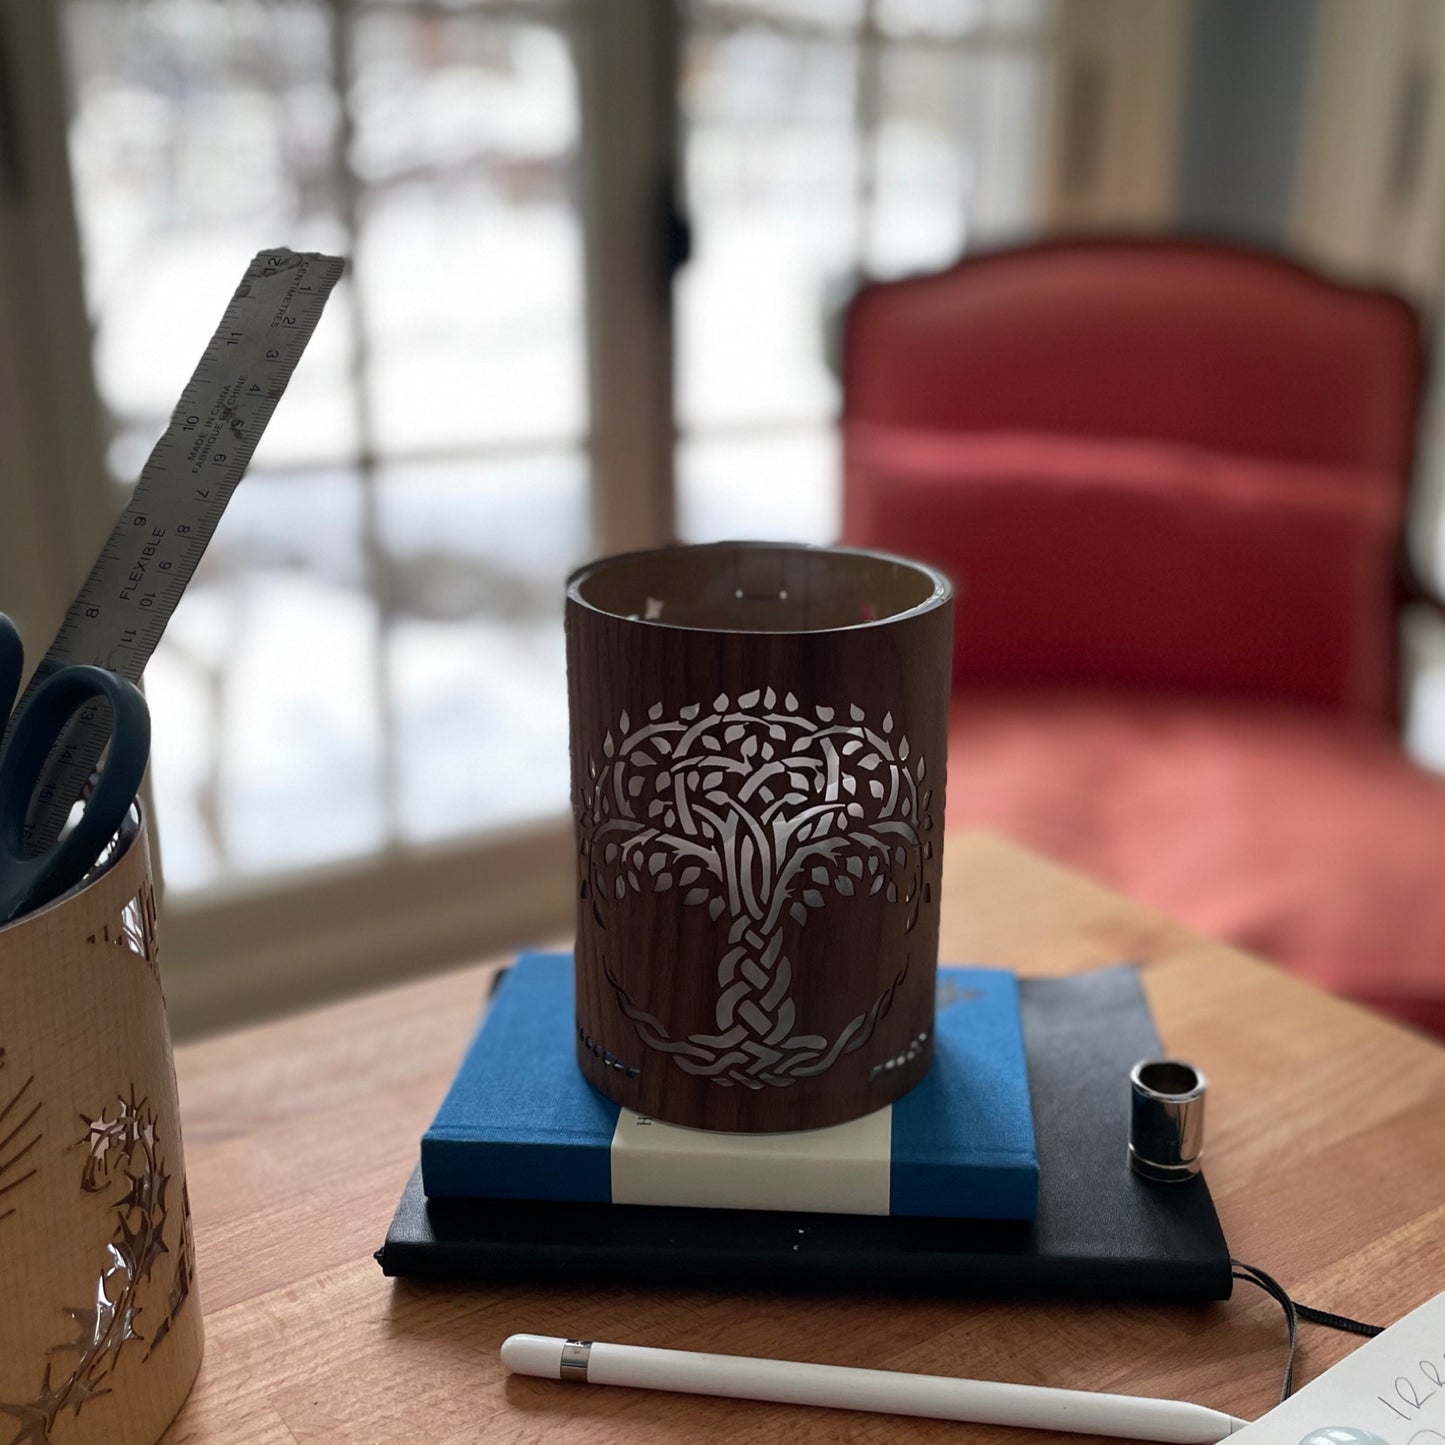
{"x":1129,"y":1417}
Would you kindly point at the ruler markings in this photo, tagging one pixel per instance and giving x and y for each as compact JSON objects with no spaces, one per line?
{"x":121,"y":612}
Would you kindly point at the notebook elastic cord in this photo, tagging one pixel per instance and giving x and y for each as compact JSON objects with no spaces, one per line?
{"x":1294,"y":1313}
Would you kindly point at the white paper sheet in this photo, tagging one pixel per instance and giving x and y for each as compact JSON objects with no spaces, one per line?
{"x":1391,"y":1391}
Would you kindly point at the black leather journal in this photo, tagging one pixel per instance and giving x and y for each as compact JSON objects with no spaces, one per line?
{"x":1102,"y":1233}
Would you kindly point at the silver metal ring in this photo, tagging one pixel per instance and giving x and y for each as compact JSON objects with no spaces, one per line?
{"x":575,"y":1354}
{"x":1166,"y":1120}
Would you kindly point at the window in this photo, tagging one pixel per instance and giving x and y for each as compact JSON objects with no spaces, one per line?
{"x":360,"y":760}
{"x":379,"y":613}
{"x":826,"y":139}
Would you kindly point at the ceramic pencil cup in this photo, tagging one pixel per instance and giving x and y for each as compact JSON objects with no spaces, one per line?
{"x":758,"y":748}
{"x":100,"y":1325}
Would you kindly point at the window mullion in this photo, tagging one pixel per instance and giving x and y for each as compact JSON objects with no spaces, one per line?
{"x":348,"y":195}
{"x":627,"y":60}
{"x":869,"y":118}
{"x":52,"y":449}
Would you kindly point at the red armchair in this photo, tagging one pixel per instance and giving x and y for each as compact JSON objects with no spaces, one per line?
{"x":1169,"y":480}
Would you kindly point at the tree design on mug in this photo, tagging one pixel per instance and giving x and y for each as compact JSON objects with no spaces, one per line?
{"x":123,"y":1151}
{"x":135,"y":929}
{"x":758,"y":811}
{"x":19,"y":1108}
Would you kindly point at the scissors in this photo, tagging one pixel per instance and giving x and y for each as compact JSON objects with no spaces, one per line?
{"x":28,"y":883}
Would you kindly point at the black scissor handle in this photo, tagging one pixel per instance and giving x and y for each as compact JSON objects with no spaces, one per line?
{"x":29,"y":883}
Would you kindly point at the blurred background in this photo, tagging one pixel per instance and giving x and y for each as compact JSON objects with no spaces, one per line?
{"x":600,"y":251}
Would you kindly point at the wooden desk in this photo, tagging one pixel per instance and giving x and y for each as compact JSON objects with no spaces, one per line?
{"x":1326,"y":1154}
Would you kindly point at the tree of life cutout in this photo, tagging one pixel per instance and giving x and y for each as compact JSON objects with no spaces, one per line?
{"x":124,"y":1151}
{"x":756,"y":811}
{"x":19,"y":1108}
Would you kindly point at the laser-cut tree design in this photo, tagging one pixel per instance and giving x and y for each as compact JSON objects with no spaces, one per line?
{"x":19,"y":1135}
{"x":135,"y":929}
{"x":757,"y":811}
{"x":123,"y":1150}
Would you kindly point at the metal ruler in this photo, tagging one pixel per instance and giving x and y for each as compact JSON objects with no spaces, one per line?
{"x":118,"y":616}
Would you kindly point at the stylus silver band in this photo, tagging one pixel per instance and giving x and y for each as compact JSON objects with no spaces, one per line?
{"x":575,"y":1354}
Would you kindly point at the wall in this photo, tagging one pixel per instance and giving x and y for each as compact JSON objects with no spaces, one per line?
{"x":1247,"y":68}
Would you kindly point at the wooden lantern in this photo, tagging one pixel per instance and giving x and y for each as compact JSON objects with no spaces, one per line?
{"x":758,"y":748}
{"x":100,"y":1326}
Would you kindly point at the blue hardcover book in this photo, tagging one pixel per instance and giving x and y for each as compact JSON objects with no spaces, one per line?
{"x":520,"y":1122}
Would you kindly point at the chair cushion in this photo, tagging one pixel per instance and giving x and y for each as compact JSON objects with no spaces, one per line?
{"x":1141,"y":563}
{"x":1300,"y":836}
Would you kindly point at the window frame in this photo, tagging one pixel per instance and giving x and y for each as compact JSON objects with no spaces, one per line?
{"x":1108,"y":148}
{"x":1369,"y":192}
{"x":249,"y":946}
{"x":252,"y":947}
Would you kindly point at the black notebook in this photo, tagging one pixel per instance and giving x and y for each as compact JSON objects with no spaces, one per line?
{"x":1101,"y":1232}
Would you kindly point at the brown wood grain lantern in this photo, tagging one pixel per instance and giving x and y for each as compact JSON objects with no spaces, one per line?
{"x":100,"y":1326}
{"x":758,"y":751}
